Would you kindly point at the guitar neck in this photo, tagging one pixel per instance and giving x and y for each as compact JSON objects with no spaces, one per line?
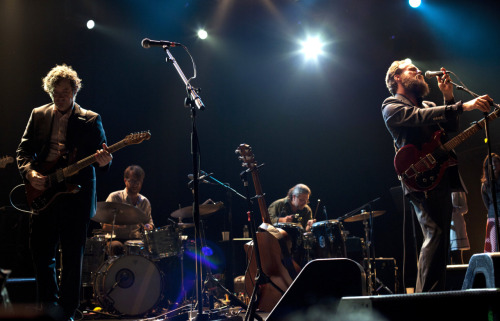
{"x":260,"y":197}
{"x":466,"y":134}
{"x":87,"y":161}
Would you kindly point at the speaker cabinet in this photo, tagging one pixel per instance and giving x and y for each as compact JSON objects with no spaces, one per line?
{"x":321,"y":280}
{"x":477,"y":305}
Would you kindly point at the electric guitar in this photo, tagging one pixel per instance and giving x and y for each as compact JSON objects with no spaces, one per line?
{"x":38,"y":200}
{"x":4,"y":161}
{"x":422,"y":170}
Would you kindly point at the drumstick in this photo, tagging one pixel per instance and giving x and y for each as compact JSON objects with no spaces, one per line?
{"x":316,"y":211}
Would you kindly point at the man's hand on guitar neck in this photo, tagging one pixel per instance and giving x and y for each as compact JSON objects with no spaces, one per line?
{"x":37,"y":180}
{"x":103,"y":156}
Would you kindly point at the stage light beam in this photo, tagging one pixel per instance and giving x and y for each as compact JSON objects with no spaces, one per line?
{"x":312,"y":48}
{"x":90,"y":24}
{"x":202,"y":34}
{"x":415,"y":3}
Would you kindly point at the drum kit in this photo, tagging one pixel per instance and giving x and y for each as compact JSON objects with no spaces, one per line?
{"x":327,"y":239}
{"x":135,"y":283}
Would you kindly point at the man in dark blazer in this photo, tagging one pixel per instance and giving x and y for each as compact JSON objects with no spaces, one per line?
{"x":61,"y":133}
{"x":411,"y":120}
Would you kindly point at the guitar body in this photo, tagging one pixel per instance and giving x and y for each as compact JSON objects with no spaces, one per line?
{"x":422,"y":170}
{"x":270,"y":249}
{"x":274,"y":249}
{"x":41,"y":199}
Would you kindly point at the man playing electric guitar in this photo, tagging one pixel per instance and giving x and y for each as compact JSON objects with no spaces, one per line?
{"x":53,"y":131}
{"x":412,"y":121}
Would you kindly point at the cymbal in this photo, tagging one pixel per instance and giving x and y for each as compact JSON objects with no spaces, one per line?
{"x":125,"y":214}
{"x":363,"y":216}
{"x":187,"y":212}
{"x":185,"y":225}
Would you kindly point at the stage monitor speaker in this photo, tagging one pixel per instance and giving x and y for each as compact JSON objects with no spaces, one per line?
{"x":320,"y":281}
{"x":476,"y":304}
{"x":483,"y":271}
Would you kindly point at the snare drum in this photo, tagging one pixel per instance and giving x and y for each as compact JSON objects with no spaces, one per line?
{"x":163,"y":242}
{"x":130,"y":284}
{"x":295,"y":232}
{"x":328,"y":239}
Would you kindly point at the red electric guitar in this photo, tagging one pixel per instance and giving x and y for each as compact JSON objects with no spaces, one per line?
{"x":422,"y":170}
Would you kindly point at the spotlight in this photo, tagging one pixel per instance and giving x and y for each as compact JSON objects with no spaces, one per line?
{"x":90,"y":24}
{"x":415,"y":3}
{"x":312,"y":48}
{"x":202,"y":34}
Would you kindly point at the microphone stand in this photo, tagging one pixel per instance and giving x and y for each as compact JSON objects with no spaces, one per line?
{"x":490,"y":161}
{"x":210,"y":277}
{"x":194,"y":102}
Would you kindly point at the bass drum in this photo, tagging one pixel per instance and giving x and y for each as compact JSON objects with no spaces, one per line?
{"x":328,"y":239}
{"x":131,"y":285}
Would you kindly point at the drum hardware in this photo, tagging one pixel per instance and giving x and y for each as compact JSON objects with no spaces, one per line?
{"x":116,"y":213}
{"x":163,"y":242}
{"x":296,"y":247}
{"x":119,"y":213}
{"x":374,"y":284}
{"x":363,"y":216}
{"x":205,"y":209}
{"x":328,"y":239}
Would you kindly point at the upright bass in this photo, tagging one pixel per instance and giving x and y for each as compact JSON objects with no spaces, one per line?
{"x":274,"y":248}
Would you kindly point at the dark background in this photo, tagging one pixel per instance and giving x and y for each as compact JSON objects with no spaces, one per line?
{"x":313,"y":122}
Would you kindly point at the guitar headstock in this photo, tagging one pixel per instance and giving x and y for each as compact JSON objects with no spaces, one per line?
{"x":246,"y":156}
{"x":137,"y":138}
{"x":6,"y":160}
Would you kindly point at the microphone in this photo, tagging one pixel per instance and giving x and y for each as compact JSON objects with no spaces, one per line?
{"x":430,"y":74}
{"x":148,"y":43}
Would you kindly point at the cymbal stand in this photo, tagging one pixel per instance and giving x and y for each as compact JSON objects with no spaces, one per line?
{"x":112,"y":231}
{"x":369,"y":252}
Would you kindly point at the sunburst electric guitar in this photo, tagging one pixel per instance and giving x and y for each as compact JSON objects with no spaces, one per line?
{"x":38,"y":200}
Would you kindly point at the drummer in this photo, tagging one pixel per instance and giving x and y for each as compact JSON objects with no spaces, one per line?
{"x":293,"y":208}
{"x":133,"y":178}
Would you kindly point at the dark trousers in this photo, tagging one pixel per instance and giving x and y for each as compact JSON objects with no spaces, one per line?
{"x":62,"y":223}
{"x":433,"y":210}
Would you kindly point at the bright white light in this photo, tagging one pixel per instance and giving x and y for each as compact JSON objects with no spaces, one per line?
{"x":202,"y":34}
{"x":90,"y":24}
{"x":312,"y":48}
{"x":415,"y":3}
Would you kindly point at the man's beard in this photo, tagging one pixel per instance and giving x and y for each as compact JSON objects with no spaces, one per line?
{"x":418,"y":87}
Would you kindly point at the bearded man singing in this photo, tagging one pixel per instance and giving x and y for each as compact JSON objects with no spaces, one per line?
{"x":411,"y":120}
